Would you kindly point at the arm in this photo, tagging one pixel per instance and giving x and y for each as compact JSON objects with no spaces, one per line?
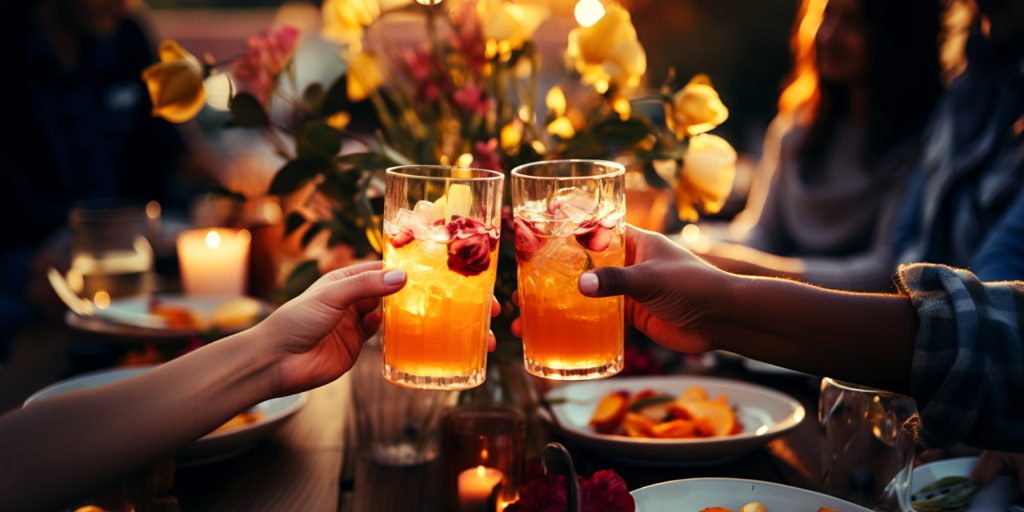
{"x":952,"y":342}
{"x":61,"y":448}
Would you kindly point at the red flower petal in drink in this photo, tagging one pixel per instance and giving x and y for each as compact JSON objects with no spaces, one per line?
{"x":593,"y":235}
{"x":401,"y":238}
{"x":470,"y":246}
{"x":528,"y":239}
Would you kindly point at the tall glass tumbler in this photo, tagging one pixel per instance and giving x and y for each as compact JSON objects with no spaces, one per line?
{"x":441,"y":225}
{"x":868,"y":456}
{"x":569,"y":218}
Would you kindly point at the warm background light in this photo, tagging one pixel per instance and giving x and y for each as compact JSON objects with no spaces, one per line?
{"x":588,"y":12}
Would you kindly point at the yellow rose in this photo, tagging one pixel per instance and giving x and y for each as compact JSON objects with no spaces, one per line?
{"x":364,"y":76}
{"x":507,"y":24}
{"x":695,"y":108}
{"x":608,"y":52}
{"x":709,"y":168}
{"x":344,"y":20}
{"x":175,"y":84}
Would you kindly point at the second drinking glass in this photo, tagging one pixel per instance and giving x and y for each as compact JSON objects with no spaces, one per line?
{"x":441,"y":225}
{"x":569,"y":218}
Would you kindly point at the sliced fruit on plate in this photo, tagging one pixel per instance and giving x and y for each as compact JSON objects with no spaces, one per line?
{"x":693,"y":394}
{"x":654,"y":407}
{"x":674,"y":429}
{"x":609,"y":412}
{"x":638,"y":425}
{"x":713,"y":417}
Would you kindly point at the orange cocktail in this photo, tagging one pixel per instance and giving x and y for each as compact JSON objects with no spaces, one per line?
{"x":569,"y":219}
{"x":435,"y":328}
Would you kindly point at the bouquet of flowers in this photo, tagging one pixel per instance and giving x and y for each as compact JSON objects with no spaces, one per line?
{"x":468,"y":96}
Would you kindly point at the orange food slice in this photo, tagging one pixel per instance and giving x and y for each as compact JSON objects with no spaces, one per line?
{"x":712,"y":416}
{"x":674,"y":429}
{"x":609,"y":413}
{"x":177,"y":317}
{"x":715,"y":509}
{"x":638,"y":425}
{"x":693,"y":394}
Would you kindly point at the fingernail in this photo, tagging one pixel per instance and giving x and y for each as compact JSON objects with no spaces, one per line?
{"x":394,"y":277}
{"x":588,"y":283}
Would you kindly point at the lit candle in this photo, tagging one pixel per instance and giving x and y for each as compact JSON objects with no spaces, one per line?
{"x":475,"y":488}
{"x":214,"y":261}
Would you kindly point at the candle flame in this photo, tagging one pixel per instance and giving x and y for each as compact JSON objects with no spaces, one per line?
{"x":483,"y":455}
{"x":588,"y":12}
{"x":101,"y":299}
{"x":481,"y":471}
{"x":212,"y":239}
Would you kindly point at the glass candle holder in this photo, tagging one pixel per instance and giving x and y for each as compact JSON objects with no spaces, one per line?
{"x":483,"y":449}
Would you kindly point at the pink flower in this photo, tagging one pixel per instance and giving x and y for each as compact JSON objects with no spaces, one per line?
{"x":470,"y":246}
{"x":593,"y":235}
{"x":470,"y":98}
{"x":486,"y":155}
{"x":266,"y":55}
{"x":426,"y":75}
{"x":528,"y":240}
{"x":605,"y":491}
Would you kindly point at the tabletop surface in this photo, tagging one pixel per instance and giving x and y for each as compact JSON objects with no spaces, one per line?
{"x":308,"y":465}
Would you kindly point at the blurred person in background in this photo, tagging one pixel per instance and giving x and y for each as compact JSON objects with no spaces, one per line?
{"x":77,"y":126}
{"x":966,"y":202}
{"x":837,"y":157}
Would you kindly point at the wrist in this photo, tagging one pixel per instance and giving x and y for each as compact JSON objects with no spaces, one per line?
{"x":726,"y":305}
{"x":260,"y":367}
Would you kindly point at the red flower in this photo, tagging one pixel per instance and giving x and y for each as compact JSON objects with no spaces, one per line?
{"x":265,"y":57}
{"x":401,"y":238}
{"x":486,"y":155}
{"x":528,"y":240}
{"x":605,"y":491}
{"x":470,"y":246}
{"x":470,"y":98}
{"x":593,"y":235}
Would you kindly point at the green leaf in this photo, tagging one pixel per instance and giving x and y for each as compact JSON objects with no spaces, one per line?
{"x":246,"y":111}
{"x":293,"y":221}
{"x":313,"y":97}
{"x":302,"y":276}
{"x":609,"y":136}
{"x":368,"y":160}
{"x":336,"y":98}
{"x":652,"y":177}
{"x":318,"y":142}
{"x":292,"y":176}
{"x":310,"y":233}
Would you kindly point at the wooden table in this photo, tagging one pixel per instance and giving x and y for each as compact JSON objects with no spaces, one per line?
{"x":308,"y":466}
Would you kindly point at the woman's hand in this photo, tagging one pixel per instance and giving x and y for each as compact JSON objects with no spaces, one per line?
{"x":316,"y":336}
{"x":672,"y":296}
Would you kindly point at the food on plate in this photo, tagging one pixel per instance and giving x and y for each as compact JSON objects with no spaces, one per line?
{"x":949,"y":494}
{"x":177,"y":317}
{"x":754,"y":506}
{"x":240,"y":420}
{"x":230,"y":315}
{"x":654,"y":414}
{"x":236,"y":313}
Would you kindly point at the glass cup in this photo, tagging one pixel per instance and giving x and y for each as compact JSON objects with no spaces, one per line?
{"x":482,"y":439}
{"x":110,"y":256}
{"x":441,"y":225}
{"x":569,"y":218}
{"x":868,"y":456}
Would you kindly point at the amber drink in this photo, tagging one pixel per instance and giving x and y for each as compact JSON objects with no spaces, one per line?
{"x":569,"y":218}
{"x":441,"y":225}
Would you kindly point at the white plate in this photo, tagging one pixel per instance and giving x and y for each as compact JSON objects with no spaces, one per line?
{"x":694,"y":494}
{"x":996,"y":496}
{"x":209,"y":448}
{"x":764,"y":413}
{"x":105,"y":320}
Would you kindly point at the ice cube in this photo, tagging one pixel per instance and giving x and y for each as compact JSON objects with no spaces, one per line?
{"x":563,"y":256}
{"x":404,"y":219}
{"x":574,"y":203}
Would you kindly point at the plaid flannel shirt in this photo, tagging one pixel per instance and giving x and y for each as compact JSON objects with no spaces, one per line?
{"x":968,"y":366}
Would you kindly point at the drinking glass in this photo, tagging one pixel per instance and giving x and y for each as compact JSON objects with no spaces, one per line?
{"x":110,"y":256}
{"x":441,"y":225}
{"x":868,"y":456}
{"x":569,"y":218}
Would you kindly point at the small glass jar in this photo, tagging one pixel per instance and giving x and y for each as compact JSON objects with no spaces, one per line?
{"x":110,"y":256}
{"x":482,"y":446}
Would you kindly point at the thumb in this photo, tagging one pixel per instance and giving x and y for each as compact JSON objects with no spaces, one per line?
{"x":607,"y":281}
{"x":374,"y":284}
